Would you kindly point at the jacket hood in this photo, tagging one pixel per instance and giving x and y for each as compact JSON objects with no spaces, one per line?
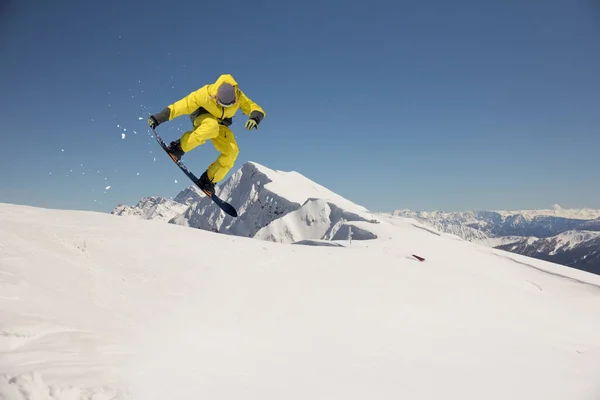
{"x":225,"y":78}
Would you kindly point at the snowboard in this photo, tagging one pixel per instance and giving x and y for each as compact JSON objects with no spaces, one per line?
{"x":223,"y":205}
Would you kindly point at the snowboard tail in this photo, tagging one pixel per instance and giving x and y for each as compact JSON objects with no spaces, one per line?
{"x":223,"y":205}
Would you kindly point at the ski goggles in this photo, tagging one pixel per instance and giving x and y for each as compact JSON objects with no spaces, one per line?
{"x":219,"y":102}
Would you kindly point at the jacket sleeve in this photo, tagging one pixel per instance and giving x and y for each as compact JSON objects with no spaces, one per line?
{"x":250,"y":108}
{"x":189,"y":103}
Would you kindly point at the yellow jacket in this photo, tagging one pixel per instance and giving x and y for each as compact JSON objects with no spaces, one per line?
{"x":204,"y":100}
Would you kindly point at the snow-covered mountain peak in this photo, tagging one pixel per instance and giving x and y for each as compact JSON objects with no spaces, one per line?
{"x":290,"y":185}
{"x":573,"y":238}
{"x":191,"y":195}
{"x":262,"y":195}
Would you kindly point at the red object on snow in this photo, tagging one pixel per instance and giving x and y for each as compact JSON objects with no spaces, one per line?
{"x":418,"y":258}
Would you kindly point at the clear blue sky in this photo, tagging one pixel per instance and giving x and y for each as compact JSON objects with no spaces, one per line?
{"x":435,"y":104}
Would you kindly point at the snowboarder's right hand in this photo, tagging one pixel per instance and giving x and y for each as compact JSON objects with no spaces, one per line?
{"x":152,"y":122}
{"x":158,"y":118}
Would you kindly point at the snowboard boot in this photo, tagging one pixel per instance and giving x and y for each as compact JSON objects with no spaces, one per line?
{"x":206,"y":184}
{"x":175,"y":151}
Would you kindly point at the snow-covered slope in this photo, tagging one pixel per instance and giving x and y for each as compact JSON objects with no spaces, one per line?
{"x":262,"y":195}
{"x":158,"y":208}
{"x":95,"y":306}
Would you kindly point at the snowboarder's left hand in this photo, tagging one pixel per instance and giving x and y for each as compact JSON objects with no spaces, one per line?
{"x":251,"y":124}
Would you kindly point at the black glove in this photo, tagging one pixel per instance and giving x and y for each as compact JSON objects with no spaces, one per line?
{"x":158,"y":118}
{"x":152,"y":122}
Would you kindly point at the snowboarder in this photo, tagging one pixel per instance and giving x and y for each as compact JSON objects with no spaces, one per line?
{"x":211,"y":109}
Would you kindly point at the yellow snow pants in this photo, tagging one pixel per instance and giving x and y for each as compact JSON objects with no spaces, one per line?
{"x":207,"y":127}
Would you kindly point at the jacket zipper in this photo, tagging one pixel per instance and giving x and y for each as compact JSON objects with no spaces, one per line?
{"x":222,"y":115}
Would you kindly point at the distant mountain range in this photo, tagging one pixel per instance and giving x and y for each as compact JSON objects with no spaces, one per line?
{"x":565,"y":236}
{"x":287,"y":207}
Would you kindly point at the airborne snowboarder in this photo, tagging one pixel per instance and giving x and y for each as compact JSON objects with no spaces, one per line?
{"x":211,"y":109}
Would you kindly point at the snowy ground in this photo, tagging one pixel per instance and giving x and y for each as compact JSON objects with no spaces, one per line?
{"x":117,"y":307}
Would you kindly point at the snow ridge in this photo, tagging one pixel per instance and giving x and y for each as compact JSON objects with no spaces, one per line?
{"x":158,"y":208}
